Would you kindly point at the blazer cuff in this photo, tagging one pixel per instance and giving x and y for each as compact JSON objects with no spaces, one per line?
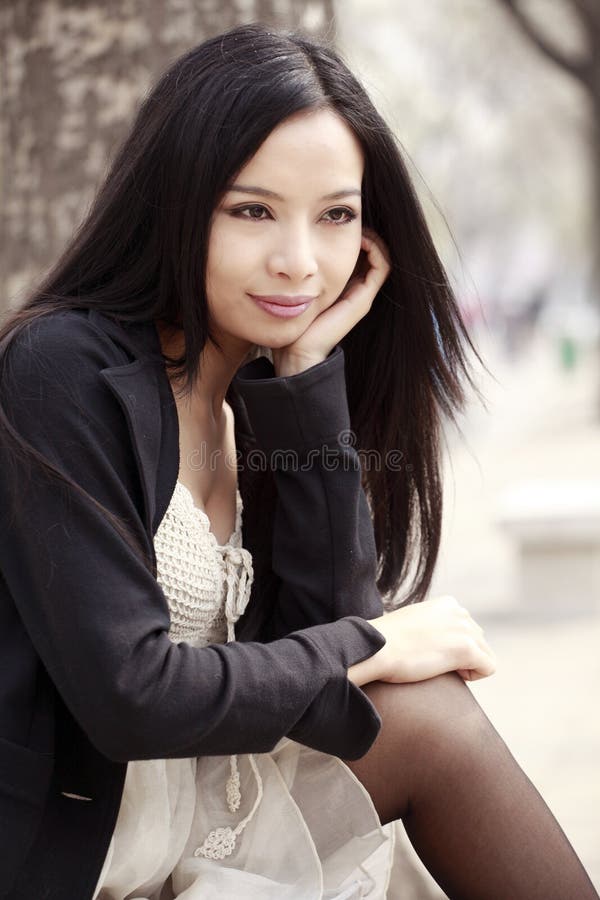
{"x":342,"y":721}
{"x":295,"y":411}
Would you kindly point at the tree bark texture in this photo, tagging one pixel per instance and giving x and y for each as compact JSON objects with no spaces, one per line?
{"x":72,"y":74}
{"x":584,"y":67}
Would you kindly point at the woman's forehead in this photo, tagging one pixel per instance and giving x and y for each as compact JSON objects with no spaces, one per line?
{"x":316,"y":148}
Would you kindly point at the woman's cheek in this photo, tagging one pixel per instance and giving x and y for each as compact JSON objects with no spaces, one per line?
{"x":344,"y":277}
{"x":351,"y":258}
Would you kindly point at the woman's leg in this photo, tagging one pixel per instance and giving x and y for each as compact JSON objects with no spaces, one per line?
{"x":475,"y":819}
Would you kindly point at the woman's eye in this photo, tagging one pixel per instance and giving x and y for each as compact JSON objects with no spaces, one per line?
{"x":255,"y":211}
{"x":340,"y":215}
{"x":258,"y":213}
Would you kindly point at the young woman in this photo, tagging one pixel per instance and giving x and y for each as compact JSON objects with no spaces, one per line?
{"x":194,"y":702}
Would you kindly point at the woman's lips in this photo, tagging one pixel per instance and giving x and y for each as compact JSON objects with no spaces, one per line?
{"x":282,"y":305}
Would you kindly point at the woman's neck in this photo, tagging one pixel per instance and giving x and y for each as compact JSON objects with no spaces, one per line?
{"x":217,"y":369}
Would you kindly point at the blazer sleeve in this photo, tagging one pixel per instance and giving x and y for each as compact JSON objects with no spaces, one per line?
{"x":97,"y":616}
{"x":323,"y":542}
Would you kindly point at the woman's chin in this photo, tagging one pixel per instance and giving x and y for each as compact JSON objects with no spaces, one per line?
{"x":281,"y":334}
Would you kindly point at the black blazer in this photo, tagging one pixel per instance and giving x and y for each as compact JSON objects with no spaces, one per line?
{"x":89,"y":677}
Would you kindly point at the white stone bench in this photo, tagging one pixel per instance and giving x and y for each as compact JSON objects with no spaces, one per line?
{"x":555,"y":526}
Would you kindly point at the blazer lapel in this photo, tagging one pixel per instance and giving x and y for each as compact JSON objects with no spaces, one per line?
{"x":144,"y":394}
{"x":134,"y":387}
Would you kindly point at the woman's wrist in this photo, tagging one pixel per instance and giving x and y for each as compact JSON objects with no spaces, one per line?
{"x":286,"y":366}
{"x":367,"y":670}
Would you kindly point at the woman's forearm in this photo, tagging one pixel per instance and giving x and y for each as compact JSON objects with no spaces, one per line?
{"x":323,"y":544}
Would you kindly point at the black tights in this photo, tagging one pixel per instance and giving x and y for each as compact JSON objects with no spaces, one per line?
{"x":473,"y":816}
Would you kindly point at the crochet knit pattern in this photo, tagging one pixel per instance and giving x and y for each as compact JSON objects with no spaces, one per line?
{"x":207,"y":585}
{"x":207,"y":590}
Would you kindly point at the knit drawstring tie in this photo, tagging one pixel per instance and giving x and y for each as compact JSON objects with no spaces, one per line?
{"x":238,"y":572}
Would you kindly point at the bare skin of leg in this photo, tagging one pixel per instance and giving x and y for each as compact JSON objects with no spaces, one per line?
{"x":475,"y":819}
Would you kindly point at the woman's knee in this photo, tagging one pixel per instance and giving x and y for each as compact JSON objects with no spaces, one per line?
{"x":425,"y":724}
{"x":423,"y":706}
{"x":438,"y":712}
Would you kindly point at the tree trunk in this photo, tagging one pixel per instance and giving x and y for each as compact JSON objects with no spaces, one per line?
{"x":585,"y":68}
{"x":72,"y":75}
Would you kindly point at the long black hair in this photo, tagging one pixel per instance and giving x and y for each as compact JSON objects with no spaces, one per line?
{"x":141,"y":254}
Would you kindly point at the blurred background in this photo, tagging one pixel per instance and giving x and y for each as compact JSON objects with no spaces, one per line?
{"x":496,"y":104}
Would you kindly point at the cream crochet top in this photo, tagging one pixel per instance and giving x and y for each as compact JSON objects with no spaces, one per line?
{"x":207,"y":586}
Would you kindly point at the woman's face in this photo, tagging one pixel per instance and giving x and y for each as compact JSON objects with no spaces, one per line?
{"x":288,"y":229}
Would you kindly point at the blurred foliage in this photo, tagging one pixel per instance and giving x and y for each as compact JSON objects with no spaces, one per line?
{"x":503,"y":139}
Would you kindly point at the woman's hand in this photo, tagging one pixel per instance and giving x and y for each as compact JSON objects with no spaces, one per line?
{"x":424,"y":640}
{"x":330,"y":326}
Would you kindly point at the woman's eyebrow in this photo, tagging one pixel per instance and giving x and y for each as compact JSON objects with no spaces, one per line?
{"x":252,"y":189}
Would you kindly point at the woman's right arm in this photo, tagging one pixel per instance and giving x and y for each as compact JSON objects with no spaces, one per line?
{"x":324,"y":544}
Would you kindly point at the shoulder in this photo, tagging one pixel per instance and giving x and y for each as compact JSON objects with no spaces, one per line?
{"x":51,"y":376}
{"x":60,"y":344}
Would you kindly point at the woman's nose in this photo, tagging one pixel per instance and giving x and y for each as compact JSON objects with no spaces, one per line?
{"x":293,"y":256}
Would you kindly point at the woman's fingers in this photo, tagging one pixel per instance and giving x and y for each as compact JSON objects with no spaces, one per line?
{"x":362,"y":291}
{"x":471,"y":674}
{"x":483,"y":662}
{"x":371,"y":242}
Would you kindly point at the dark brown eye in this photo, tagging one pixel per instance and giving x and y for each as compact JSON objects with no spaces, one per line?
{"x":256,"y":211}
{"x":252,"y":211}
{"x":340,"y":215}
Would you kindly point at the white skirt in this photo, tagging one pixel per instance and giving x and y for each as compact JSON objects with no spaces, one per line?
{"x":314,"y":834}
